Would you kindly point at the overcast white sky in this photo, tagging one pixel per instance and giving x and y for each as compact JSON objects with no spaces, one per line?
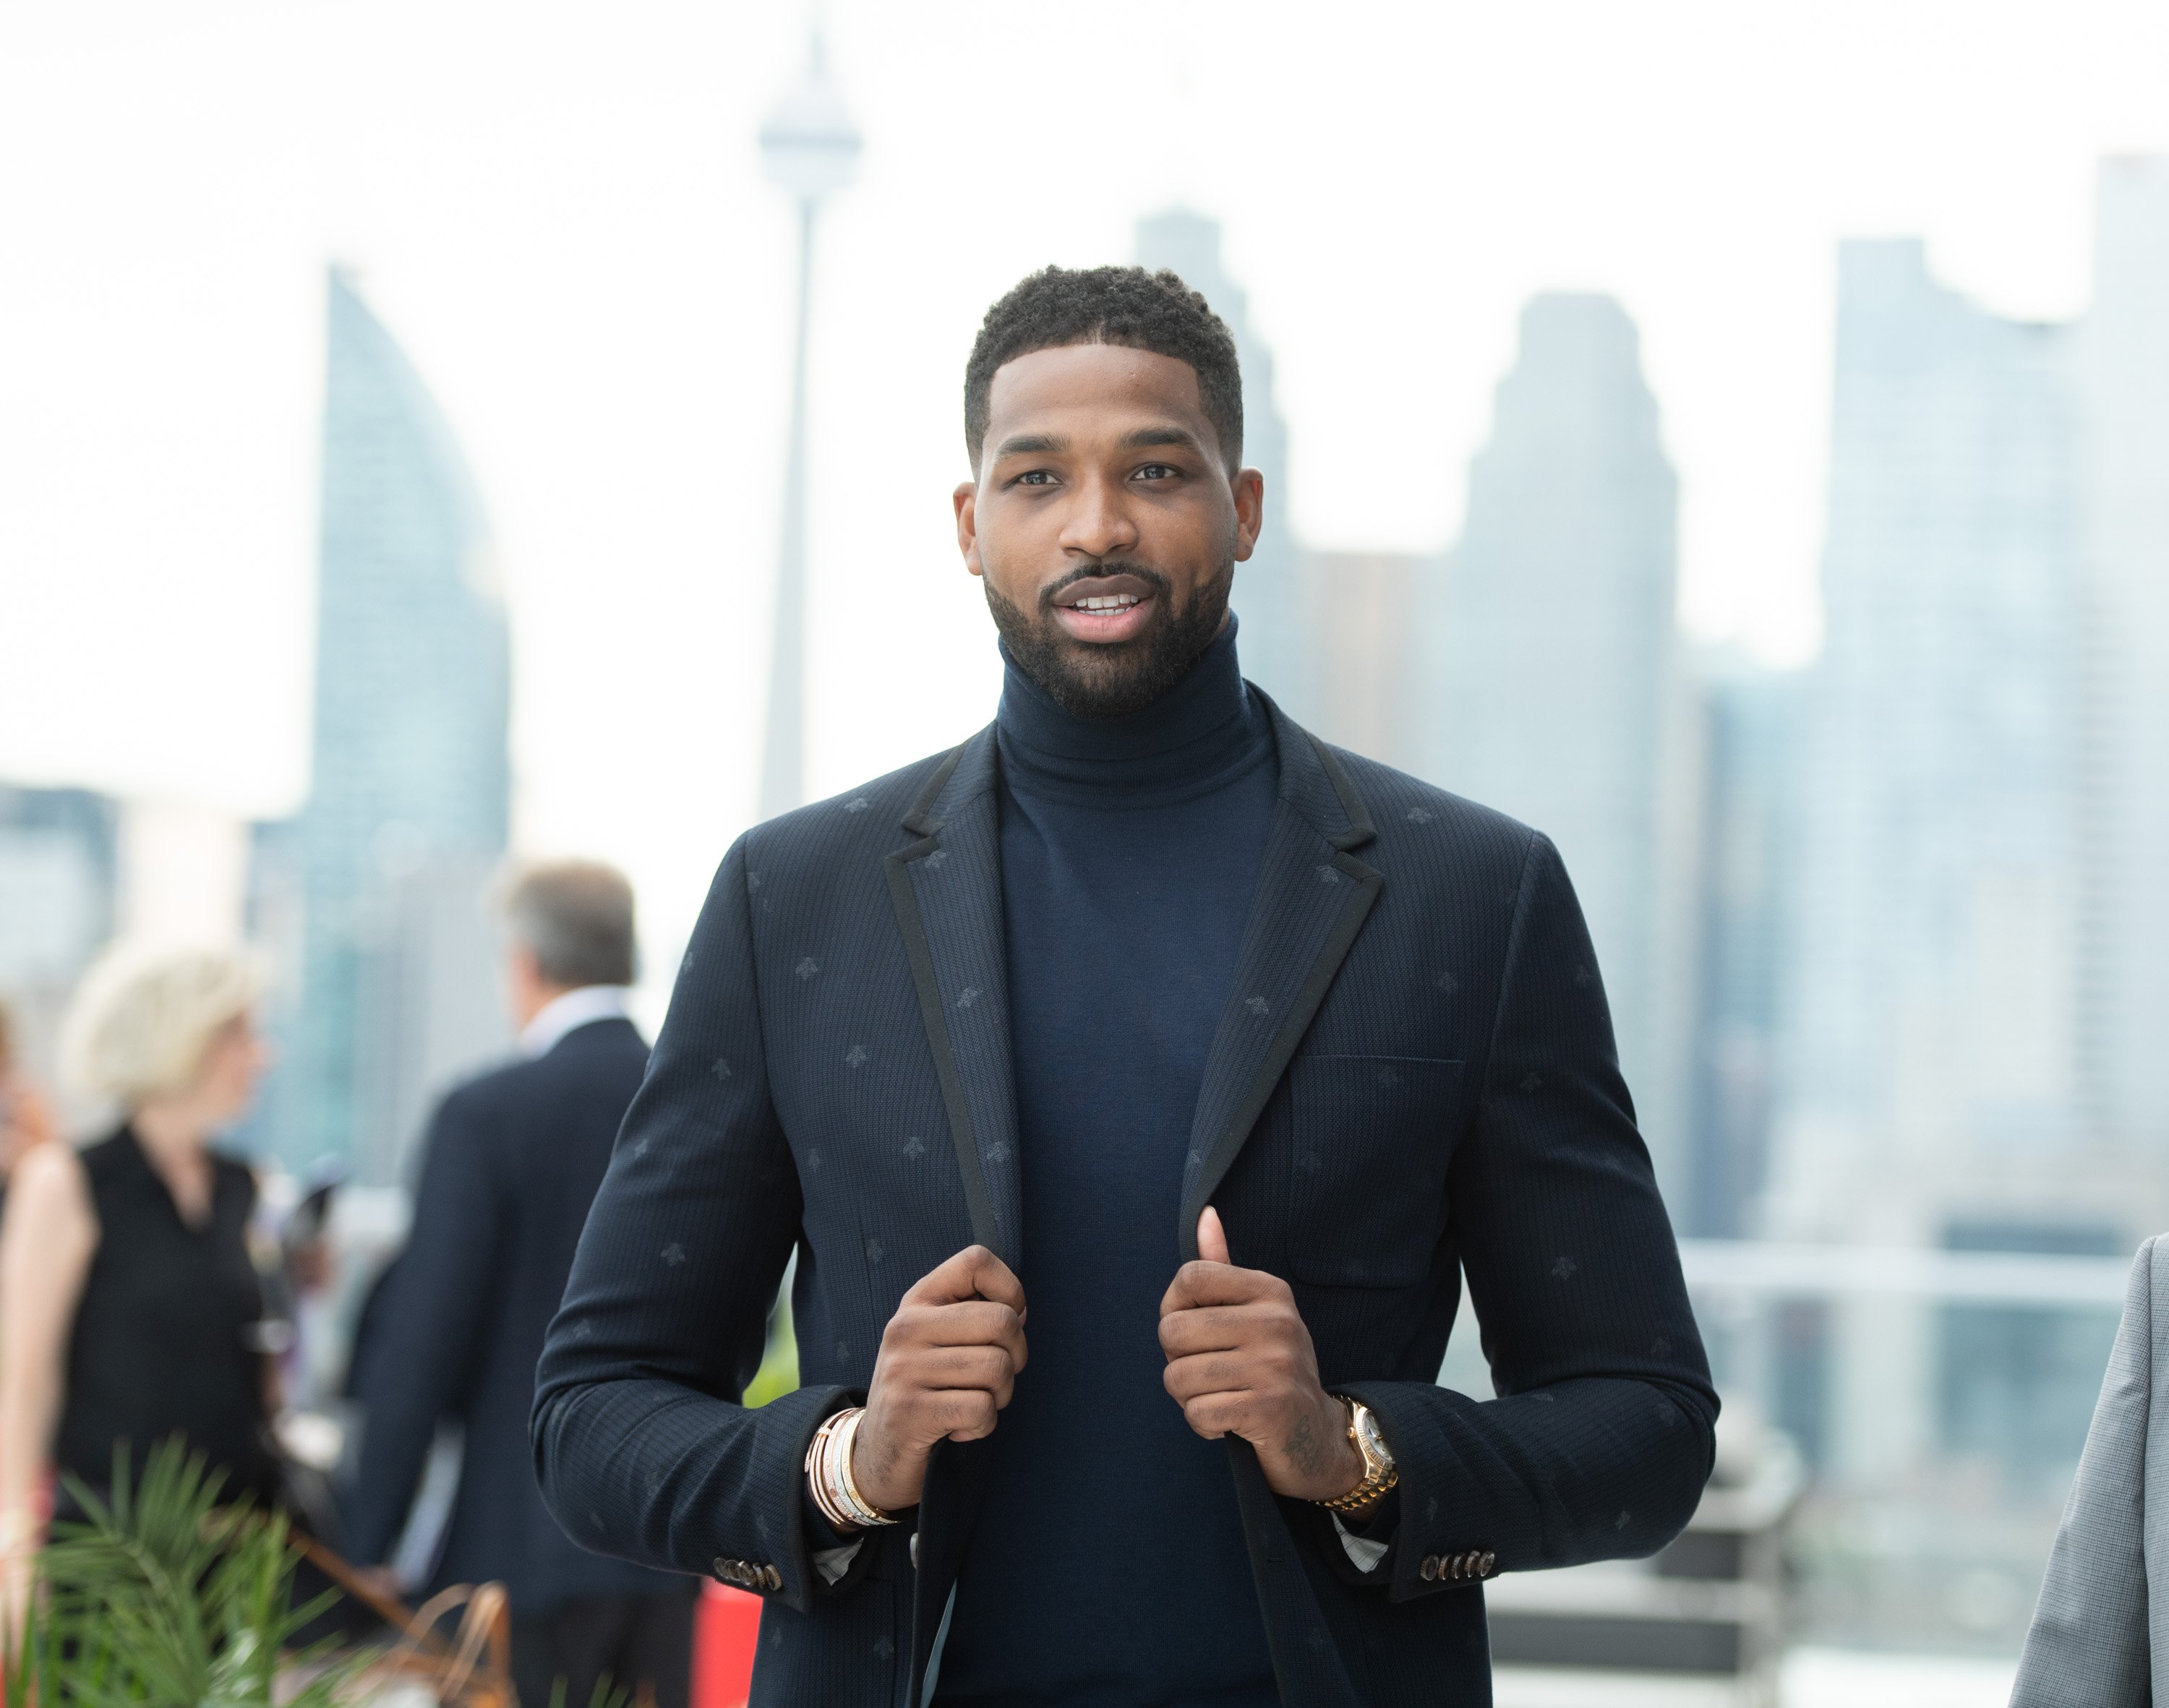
{"x":558,"y":210}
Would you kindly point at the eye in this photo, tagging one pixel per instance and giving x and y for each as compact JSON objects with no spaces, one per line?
{"x":1034,"y":477}
{"x":1158,"y":471}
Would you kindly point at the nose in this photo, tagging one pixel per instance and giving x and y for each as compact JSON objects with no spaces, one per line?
{"x":1099,"y":523}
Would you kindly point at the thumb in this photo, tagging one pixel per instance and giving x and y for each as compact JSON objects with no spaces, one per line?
{"x":1212,"y":1237}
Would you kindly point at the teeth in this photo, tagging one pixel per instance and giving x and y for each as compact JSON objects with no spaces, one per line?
{"x":1113,"y":602}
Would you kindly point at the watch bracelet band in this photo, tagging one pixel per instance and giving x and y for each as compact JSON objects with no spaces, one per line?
{"x":1376,"y":1480}
{"x":829,"y":1474}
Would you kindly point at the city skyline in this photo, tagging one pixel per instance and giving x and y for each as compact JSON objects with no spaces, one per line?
{"x":1555,"y":690}
{"x":410,"y":796}
{"x":584,"y":260}
{"x":1266,"y":597}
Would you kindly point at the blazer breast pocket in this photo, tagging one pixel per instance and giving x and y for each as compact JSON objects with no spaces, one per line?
{"x":1367,"y":1199}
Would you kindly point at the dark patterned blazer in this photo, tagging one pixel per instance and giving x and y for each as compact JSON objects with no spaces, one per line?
{"x":1412,"y":1079}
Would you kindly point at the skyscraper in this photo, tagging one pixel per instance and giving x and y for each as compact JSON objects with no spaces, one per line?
{"x":2123,"y":387}
{"x":810,"y":147}
{"x":411,"y":780}
{"x":1556,"y":692}
{"x":1928,"y":1082}
{"x":1275,"y":643}
{"x":1750,"y":752}
{"x":1932,"y":993}
{"x":1364,"y":660}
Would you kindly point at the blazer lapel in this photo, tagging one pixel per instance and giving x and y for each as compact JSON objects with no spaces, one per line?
{"x":947,"y":887}
{"x":1313,"y":897}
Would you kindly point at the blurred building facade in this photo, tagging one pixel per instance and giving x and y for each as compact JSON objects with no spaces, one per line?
{"x":1930,"y":1025}
{"x":60,"y":878}
{"x":379,"y":886}
{"x":1365,"y":664}
{"x":2121,"y":359}
{"x":1749,"y":825}
{"x":1269,"y":595}
{"x":1980,"y":950}
{"x":1556,"y":690}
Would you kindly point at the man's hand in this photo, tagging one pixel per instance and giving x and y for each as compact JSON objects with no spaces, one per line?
{"x":1239,"y":1362}
{"x":947,"y":1363}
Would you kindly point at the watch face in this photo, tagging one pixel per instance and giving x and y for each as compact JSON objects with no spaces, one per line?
{"x":1374,"y":1444}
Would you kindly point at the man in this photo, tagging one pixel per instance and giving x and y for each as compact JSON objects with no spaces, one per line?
{"x":1141,"y":1075}
{"x":513,"y":1161}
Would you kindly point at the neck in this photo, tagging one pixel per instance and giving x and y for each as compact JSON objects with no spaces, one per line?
{"x":536,"y":998}
{"x":172,"y":1132}
{"x":1206,"y":730}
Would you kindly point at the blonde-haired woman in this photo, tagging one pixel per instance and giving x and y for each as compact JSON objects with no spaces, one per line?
{"x":128,"y":1303}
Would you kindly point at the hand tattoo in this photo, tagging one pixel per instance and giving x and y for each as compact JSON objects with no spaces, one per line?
{"x":1305,"y":1449}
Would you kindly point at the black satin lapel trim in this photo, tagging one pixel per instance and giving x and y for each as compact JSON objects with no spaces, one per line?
{"x":918,"y":818}
{"x":1360,"y":829}
{"x":949,"y":1502}
{"x":1313,"y":898}
{"x":920,"y":954}
{"x":946,"y":889}
{"x":1311,"y":1671}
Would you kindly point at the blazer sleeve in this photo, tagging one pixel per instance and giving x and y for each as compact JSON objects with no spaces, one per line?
{"x":1602,"y":1437}
{"x":641,"y":1446}
{"x":428,"y":1325}
{"x":2087,"y":1646}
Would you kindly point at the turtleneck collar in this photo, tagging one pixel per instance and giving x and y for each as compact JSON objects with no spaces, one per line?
{"x":1200,"y":735}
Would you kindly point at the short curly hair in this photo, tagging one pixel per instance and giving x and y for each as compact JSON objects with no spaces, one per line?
{"x":1126,"y":306}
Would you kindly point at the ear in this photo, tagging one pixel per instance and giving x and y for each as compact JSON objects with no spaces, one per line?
{"x":966,"y":498}
{"x":1248,"y":487}
{"x":520,"y":961}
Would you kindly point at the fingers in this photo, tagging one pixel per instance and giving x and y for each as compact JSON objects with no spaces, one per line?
{"x":974,"y":1273}
{"x":1272,"y":1370}
{"x":1214,"y":1328}
{"x":1212,"y":1237}
{"x":961,"y":1414}
{"x":975,"y":1322}
{"x":966,"y":1415}
{"x":1204,"y":1283}
{"x":946,"y":1369}
{"x":947,"y":1366}
{"x":1215,"y":1415}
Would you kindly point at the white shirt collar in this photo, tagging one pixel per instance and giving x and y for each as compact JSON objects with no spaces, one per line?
{"x":576,"y":1008}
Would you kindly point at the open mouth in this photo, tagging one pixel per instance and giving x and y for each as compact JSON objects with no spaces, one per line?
{"x":1105,"y":609}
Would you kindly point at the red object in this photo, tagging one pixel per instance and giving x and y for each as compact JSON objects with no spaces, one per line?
{"x":724,"y":1633}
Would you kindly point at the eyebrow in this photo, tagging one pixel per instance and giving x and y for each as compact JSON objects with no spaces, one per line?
{"x":1054,"y":443}
{"x":1032,"y":444}
{"x":1146,"y":436}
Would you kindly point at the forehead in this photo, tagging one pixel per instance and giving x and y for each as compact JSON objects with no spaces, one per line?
{"x":1083,"y":390}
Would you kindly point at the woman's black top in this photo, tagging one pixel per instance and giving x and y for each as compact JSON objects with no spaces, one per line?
{"x":164,"y":1338}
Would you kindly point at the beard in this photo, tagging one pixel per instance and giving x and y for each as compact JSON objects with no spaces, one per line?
{"x":1108,"y":681}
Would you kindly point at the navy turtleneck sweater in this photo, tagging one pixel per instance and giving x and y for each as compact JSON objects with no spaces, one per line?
{"x":1109,"y":1567}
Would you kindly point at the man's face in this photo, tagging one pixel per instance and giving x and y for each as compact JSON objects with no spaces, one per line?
{"x":1105,"y":523}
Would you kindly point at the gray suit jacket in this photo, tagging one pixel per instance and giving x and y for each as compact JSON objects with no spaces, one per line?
{"x":2100,"y":1637}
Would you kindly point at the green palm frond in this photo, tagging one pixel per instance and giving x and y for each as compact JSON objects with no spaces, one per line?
{"x":164,"y":1599}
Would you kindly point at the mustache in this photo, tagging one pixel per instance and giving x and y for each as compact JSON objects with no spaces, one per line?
{"x":1160,"y":585}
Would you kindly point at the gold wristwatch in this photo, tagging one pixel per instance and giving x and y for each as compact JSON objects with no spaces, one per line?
{"x":1379,"y":1473}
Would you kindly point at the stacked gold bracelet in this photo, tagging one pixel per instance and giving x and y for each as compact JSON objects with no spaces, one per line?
{"x":828,"y":1475}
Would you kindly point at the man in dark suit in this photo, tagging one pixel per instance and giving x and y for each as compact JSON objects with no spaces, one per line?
{"x":512,"y":1164}
{"x":1204,"y":1057}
